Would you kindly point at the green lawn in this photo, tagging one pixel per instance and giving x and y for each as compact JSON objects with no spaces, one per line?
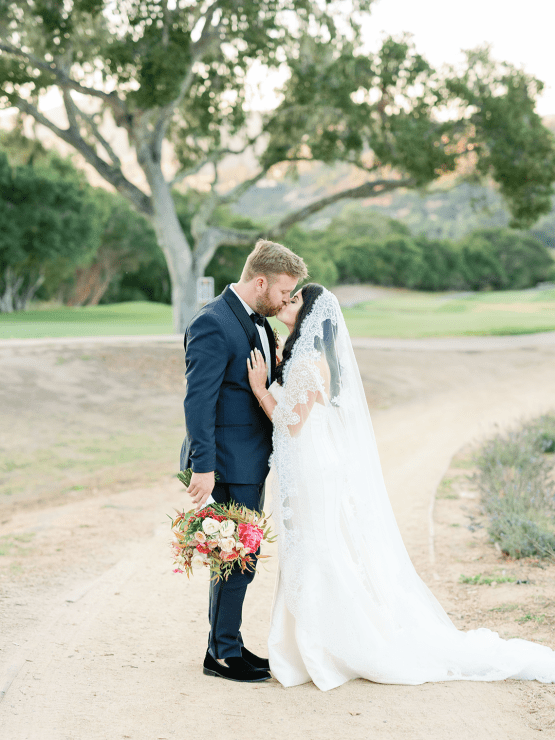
{"x":402,"y":314}
{"x":417,"y":314}
{"x":137,"y":317}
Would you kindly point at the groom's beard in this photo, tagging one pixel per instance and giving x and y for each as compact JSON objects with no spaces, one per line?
{"x":265,"y":307}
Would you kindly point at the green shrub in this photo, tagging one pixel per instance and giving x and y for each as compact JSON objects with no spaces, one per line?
{"x":444,"y":268}
{"x":360,"y":261}
{"x":405,"y":261}
{"x":515,"y":479}
{"x":396,"y":260}
{"x":501,"y":259}
{"x":365,"y":246}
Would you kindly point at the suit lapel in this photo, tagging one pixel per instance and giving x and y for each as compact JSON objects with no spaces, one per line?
{"x":242,"y":316}
{"x":250,"y":329}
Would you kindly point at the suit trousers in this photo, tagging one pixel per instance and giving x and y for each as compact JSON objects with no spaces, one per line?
{"x":225,"y":605}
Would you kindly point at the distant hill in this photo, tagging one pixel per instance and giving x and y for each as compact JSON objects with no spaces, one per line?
{"x":441,"y":212}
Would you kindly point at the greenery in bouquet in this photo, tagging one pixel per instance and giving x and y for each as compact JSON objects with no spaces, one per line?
{"x":219,"y":537}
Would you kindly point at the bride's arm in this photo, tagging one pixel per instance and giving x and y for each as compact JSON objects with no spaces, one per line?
{"x":302,"y":410}
{"x":258,"y":375}
{"x":297,"y":414}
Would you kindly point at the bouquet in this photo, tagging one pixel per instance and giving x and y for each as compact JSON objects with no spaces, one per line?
{"x":218,"y":536}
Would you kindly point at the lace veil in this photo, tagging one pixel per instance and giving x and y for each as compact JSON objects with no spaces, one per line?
{"x":333,"y":508}
{"x":349,"y":601}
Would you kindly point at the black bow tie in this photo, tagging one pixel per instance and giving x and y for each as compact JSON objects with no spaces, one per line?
{"x":257,"y":318}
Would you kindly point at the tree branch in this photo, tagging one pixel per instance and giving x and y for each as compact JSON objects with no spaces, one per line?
{"x":111,"y":174}
{"x":184,"y":174}
{"x":209,"y":35}
{"x":113,"y":100}
{"x":367,"y":190}
{"x":74,"y":113}
{"x":214,"y":237}
{"x":212,"y":158}
{"x":209,"y":239}
{"x":235,"y":193}
{"x":91,"y":123}
{"x":71,"y":110}
{"x":202,"y":217}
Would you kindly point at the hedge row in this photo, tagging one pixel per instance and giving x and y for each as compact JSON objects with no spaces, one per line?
{"x":497,"y":259}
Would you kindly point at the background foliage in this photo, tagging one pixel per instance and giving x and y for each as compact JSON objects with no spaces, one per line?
{"x":515,"y":477}
{"x":151,"y":73}
{"x":48,"y":223}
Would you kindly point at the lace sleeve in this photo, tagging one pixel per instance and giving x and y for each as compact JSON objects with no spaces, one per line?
{"x":298,"y":395}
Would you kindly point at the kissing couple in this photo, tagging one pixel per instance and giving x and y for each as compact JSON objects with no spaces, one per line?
{"x":348,"y":603}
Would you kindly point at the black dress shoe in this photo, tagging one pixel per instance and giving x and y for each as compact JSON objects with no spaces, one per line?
{"x":256,"y":662}
{"x":237,"y":669}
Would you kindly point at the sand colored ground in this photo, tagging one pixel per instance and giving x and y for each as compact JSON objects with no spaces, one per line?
{"x":99,"y":640}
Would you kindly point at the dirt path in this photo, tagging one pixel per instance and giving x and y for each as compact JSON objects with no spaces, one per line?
{"x":100,"y":640}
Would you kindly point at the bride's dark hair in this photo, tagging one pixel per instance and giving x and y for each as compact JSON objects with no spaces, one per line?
{"x":310,"y":293}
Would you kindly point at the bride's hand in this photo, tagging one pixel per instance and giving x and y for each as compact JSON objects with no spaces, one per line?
{"x":258,"y":372}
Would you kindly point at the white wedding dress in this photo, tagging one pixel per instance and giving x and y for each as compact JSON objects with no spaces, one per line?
{"x":348,"y":600}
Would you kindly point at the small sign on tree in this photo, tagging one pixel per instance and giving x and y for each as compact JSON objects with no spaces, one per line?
{"x":205,"y":291}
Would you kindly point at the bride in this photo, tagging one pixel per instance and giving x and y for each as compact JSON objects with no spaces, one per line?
{"x":348,"y":601}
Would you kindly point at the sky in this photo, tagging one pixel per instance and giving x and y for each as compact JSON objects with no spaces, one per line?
{"x":522,"y":33}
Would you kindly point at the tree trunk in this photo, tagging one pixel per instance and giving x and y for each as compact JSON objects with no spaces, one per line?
{"x":175,"y":247}
{"x":185,"y":263}
{"x":85,"y":280}
{"x":15,"y":294}
{"x":92,"y":282}
{"x":8,"y":290}
{"x":28,"y":293}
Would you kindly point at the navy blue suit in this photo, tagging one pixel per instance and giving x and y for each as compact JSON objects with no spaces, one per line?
{"x":228,"y":432}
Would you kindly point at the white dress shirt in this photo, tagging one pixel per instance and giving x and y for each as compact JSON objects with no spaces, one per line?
{"x":261,"y":332}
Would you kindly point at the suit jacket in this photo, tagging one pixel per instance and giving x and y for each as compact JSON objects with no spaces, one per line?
{"x":225,"y":428}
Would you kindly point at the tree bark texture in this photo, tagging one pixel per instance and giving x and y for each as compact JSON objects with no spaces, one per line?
{"x":17,"y":292}
{"x":174,"y":244}
{"x":92,"y":282}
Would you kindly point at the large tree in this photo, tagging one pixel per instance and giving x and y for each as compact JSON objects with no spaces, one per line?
{"x":181,"y":71}
{"x":48,"y":220}
{"x":126,"y":243}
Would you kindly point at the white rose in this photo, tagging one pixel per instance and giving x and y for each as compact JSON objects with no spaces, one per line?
{"x":210,"y":526}
{"x":198,"y":561}
{"x":227,"y":543}
{"x":227,"y":528}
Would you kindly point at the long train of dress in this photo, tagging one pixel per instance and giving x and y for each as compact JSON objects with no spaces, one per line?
{"x":348,"y":601}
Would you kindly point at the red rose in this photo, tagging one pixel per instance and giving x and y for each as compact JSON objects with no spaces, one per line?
{"x":250,"y":536}
{"x":227,"y":556}
{"x":204,"y":549}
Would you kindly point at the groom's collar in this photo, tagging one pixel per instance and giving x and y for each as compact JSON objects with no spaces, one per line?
{"x":246,"y":306}
{"x":236,"y":305}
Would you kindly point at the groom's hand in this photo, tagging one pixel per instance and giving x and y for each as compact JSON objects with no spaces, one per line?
{"x":200,"y":487}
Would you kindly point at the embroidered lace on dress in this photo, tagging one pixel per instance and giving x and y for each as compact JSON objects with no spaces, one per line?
{"x":349,"y":602}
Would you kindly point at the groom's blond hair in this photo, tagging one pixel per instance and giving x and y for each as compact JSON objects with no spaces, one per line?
{"x":272,"y":259}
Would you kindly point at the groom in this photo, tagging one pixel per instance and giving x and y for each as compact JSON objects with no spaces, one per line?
{"x":227,"y":432}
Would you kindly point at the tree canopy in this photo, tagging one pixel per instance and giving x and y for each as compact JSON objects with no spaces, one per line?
{"x":46,"y":221}
{"x":183,"y":72}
